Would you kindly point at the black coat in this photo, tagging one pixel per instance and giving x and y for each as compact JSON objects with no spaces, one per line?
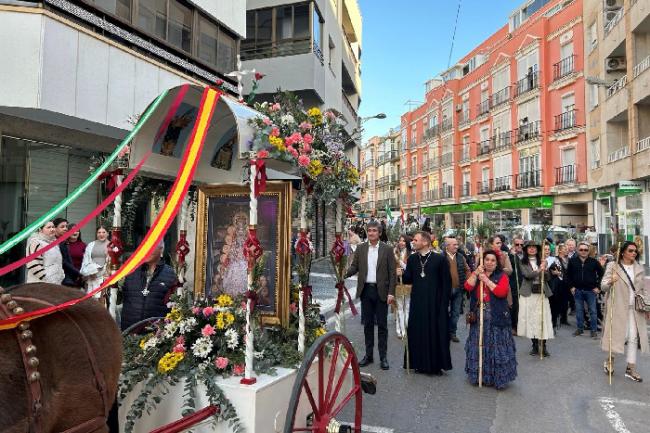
{"x":584,"y":276}
{"x":72,"y":274}
{"x":135,"y":305}
{"x":516,"y":277}
{"x":428,"y":333}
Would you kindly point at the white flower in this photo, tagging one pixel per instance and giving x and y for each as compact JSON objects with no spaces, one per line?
{"x":170,"y":329}
{"x":233,"y":338}
{"x":202,"y":347}
{"x":259,"y":355}
{"x":150,"y":343}
{"x":187,"y":325}
{"x":203,"y":367}
{"x":287,"y":119}
{"x":265,"y":104}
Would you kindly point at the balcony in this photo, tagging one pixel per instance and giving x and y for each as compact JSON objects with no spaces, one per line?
{"x":430,"y":195}
{"x":564,"y":67}
{"x":387,"y":157}
{"x":503,"y":183}
{"x":353,"y":112}
{"x":527,"y":84}
{"x":502,"y":140}
{"x":464,"y":119}
{"x":483,"y":187}
{"x":434,"y":163}
{"x":529,"y":179}
{"x":614,"y":21}
{"x":642,"y":66}
{"x":285,"y":47}
{"x":565,"y":175}
{"x":483,"y":107}
{"x":618,"y":154}
{"x":642,"y":145}
{"x":382,"y":181}
{"x":402,"y":173}
{"x":447,"y":192}
{"x":528,"y":131}
{"x":465,"y":190}
{"x":393,"y":179}
{"x":501,"y":97}
{"x":464,"y":155}
{"x":432,"y":131}
{"x":618,"y":85}
{"x":446,"y":125}
{"x":484,"y":147}
{"x":447,"y":159}
{"x":368,"y":163}
{"x":413,"y":172}
{"x":566,"y":120}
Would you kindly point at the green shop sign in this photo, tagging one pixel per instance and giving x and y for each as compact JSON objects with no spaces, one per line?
{"x":545,"y":201}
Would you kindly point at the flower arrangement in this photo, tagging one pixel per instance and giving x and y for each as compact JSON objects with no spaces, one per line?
{"x":199,"y":341}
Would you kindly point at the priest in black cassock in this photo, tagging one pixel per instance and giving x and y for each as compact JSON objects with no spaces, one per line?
{"x":428,"y":334}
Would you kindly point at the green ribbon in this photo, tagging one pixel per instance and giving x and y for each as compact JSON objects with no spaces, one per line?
{"x":9,"y":243}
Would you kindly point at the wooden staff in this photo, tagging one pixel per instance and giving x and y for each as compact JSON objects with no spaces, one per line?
{"x":542,"y":294}
{"x":480,"y":329}
{"x":610,"y":360}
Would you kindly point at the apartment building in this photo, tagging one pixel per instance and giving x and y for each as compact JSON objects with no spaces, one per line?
{"x":312,"y":48}
{"x":501,"y":134}
{"x":617,"y":47}
{"x":75,"y":73}
{"x":380,"y":174}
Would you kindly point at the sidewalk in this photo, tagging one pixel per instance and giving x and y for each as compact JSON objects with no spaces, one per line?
{"x":323,"y":284}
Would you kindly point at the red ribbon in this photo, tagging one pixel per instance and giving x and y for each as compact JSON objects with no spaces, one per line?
{"x":342,"y":290}
{"x":306,"y":296}
{"x":260,"y":176}
{"x":252,"y":248}
{"x":308,"y":184}
{"x":251,"y":295}
{"x":349,"y":211}
{"x":338,"y":250}
{"x":115,"y":247}
{"x":302,"y":244}
{"x":182,"y":247}
{"x":111,"y":179}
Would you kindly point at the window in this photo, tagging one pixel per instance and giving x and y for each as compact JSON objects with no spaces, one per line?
{"x":227,"y":51}
{"x":566,"y":51}
{"x":593,"y":96}
{"x":121,"y":8}
{"x":208,"y":37}
{"x":292,"y":22}
{"x":179,"y":30}
{"x":501,"y":128}
{"x":501,"y":79}
{"x":527,"y":65}
{"x":152,"y":17}
{"x":317,"y":25}
{"x":528,"y":111}
{"x":594,"y":153}
{"x":465,"y":154}
{"x":568,"y":156}
{"x":593,"y":36}
{"x":502,"y":166}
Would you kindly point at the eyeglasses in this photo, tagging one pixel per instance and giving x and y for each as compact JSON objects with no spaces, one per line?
{"x":519,"y":245}
{"x":584,"y":249}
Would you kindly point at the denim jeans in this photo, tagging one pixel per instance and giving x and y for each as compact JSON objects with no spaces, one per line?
{"x":589,"y":297}
{"x":454,"y":309}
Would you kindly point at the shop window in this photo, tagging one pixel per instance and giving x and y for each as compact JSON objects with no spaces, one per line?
{"x":541,"y":216}
{"x":152,"y":17}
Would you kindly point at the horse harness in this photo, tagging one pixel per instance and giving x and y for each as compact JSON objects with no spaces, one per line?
{"x":9,"y":307}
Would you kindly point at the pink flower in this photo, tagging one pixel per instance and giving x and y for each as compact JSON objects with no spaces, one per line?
{"x":196,"y":310}
{"x":239,"y":369}
{"x":307,"y":139}
{"x":306,"y":148}
{"x":180,"y":340}
{"x":303,"y":161}
{"x":293,"y":307}
{"x":243,"y":305}
{"x":208,"y":311}
{"x":207,"y":331}
{"x":292,"y":151}
{"x":259,"y":76}
{"x":305,"y":126}
{"x":263,"y":154}
{"x":179,"y":348}
{"x":275,"y":107}
{"x":267,"y":121}
{"x":124,"y":152}
{"x":330,"y":115}
{"x":221,"y":362}
{"x":275,"y":131}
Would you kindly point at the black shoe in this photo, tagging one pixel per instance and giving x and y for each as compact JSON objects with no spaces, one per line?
{"x":534,"y":351}
{"x":454,"y":338}
{"x":578,"y":332}
{"x":384,"y":364}
{"x":594,"y":334}
{"x":545,"y":352}
{"x":365,"y":361}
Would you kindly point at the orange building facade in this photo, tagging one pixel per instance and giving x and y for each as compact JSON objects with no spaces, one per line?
{"x":501,"y":135}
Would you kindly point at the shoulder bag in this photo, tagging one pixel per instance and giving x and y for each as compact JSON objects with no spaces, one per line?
{"x":641,"y":302}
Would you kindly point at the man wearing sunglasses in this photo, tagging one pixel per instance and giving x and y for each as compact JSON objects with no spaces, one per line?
{"x":515,"y":256}
{"x":583,"y":276}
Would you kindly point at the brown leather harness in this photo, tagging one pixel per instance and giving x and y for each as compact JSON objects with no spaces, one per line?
{"x":9,"y":307}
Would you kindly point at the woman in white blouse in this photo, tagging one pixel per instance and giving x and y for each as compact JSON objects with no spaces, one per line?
{"x":93,"y":267}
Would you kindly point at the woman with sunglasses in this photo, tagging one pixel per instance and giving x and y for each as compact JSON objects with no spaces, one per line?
{"x":623,"y":279}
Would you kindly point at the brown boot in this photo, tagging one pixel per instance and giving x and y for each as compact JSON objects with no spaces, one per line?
{"x":631,"y":373}
{"x":606,"y":366}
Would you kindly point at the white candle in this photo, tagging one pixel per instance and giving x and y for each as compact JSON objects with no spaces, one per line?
{"x":301,"y":323}
{"x":339,"y":216}
{"x":117,"y":211}
{"x":253,"y":204}
{"x":303,"y":212}
{"x":250,"y":347}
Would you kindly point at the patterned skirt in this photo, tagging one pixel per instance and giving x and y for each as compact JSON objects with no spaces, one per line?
{"x":499,"y":354}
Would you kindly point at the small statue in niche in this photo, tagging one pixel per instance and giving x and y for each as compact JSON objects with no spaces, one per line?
{"x":223,"y":157}
{"x":176,"y":126}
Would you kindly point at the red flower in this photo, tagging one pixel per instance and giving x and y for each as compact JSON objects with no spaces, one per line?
{"x":208,"y":311}
{"x":263,"y":154}
{"x":219,"y":83}
{"x":207,"y":331}
{"x":259,"y":76}
{"x":239,"y":369}
{"x":303,"y":161}
{"x":221,"y":362}
{"x":307,"y":139}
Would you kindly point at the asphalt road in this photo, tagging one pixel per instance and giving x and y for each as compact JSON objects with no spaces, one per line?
{"x":567,"y":392}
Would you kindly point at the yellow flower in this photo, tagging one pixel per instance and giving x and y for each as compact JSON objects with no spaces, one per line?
{"x":224,"y":301}
{"x":315,"y":168}
{"x":315,"y":116}
{"x":174,"y":315}
{"x":320,"y":331}
{"x":142,"y":342}
{"x":169,"y":361}
{"x":229,"y":318}
{"x":224,"y":319}
{"x":277,"y":142}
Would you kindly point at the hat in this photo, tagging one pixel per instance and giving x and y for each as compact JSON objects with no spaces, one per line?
{"x":531,"y":243}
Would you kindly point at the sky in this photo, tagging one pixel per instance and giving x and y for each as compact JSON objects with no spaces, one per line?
{"x":407,"y":42}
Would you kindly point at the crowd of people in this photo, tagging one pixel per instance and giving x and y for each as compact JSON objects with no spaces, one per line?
{"x":526,"y":289}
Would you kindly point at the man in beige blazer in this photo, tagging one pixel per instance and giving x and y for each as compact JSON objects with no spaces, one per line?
{"x":376,"y":268}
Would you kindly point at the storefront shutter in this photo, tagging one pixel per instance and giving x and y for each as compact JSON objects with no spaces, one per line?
{"x":48,"y":179}
{"x":78,"y":171}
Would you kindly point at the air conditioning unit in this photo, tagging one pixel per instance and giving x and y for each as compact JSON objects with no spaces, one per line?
{"x":613,"y":4}
{"x":610,"y":15}
{"x":615,"y":64}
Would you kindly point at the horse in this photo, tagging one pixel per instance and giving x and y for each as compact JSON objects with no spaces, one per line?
{"x":59,"y":372}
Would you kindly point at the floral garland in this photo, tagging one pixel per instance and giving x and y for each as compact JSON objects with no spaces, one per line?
{"x":199,"y":341}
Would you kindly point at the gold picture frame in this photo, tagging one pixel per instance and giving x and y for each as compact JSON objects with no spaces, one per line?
{"x":222,"y":223}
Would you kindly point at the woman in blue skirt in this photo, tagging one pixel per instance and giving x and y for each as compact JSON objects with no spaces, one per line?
{"x":499,"y":353}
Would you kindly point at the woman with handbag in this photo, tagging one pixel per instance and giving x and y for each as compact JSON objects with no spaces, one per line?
{"x":630,"y":303}
{"x":535,"y":321}
{"x":402,"y":291}
{"x":93,"y":266}
{"x":499,"y":351}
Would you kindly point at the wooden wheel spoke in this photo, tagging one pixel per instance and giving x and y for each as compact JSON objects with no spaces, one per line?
{"x":343,"y":402}
{"x":321,"y":376}
{"x":330,"y":378}
{"x":339,"y":384}
{"x":310,"y":396}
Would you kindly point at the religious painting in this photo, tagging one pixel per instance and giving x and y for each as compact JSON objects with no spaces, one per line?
{"x":223,"y":154}
{"x":172,"y":141}
{"x":222,"y":229}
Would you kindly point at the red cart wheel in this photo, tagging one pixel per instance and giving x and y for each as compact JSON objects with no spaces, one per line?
{"x":328,"y":382}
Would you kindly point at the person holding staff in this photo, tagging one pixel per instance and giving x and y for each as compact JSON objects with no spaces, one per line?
{"x":403,"y":291}
{"x":622,"y":281}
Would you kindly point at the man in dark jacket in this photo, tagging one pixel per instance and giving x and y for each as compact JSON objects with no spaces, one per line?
{"x":515,"y":257}
{"x":583,"y":277}
{"x":72,"y":275}
{"x":458,"y":271}
{"x":146,"y":291}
